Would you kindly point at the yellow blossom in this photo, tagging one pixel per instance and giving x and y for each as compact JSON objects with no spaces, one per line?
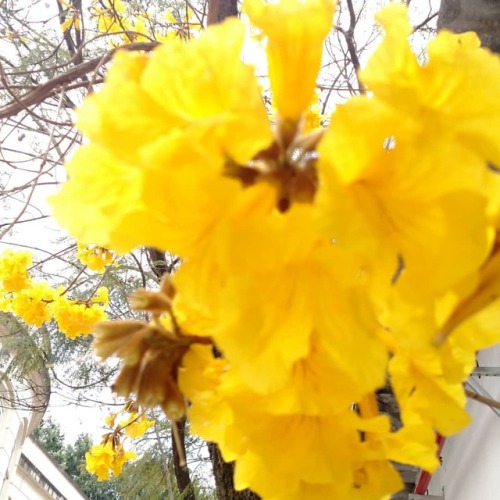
{"x":232,"y":126}
{"x":246,"y":427}
{"x":101,"y":296}
{"x":322,"y":265}
{"x":94,"y":257}
{"x":121,"y":456}
{"x":110,"y":420}
{"x":74,"y":318}
{"x":441,"y":95}
{"x":99,"y":460}
{"x":293,"y":48}
{"x":102,"y":459}
{"x":14,"y":270}
{"x":33,"y":304}
{"x":403,"y":204}
{"x":112,"y":17}
{"x":136,"y":425}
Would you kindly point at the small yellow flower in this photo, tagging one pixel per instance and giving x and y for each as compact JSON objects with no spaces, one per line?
{"x":32,"y":304}
{"x":73,"y":318}
{"x":94,"y":257}
{"x":99,"y":460}
{"x":102,"y":459}
{"x":14,"y":270}
{"x":136,"y":425}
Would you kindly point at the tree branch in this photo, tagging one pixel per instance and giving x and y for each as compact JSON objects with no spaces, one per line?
{"x":482,"y":399}
{"x":51,"y":87}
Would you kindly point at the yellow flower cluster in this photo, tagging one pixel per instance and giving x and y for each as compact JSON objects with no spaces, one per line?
{"x":105,"y":457}
{"x":323,"y":265}
{"x":109,"y":456}
{"x":14,"y":270}
{"x":114,"y":18}
{"x":94,"y":257}
{"x":36,"y":302}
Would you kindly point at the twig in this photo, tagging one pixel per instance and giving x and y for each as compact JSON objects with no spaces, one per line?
{"x":51,"y":87}
{"x":481,"y":399}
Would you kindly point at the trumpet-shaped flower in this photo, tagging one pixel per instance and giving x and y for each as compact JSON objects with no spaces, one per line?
{"x":293,"y":48}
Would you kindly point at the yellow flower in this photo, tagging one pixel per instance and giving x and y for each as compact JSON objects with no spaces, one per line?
{"x":121,"y":456}
{"x":421,"y":388}
{"x":105,"y":458}
{"x":441,"y":95}
{"x":347,"y":258}
{"x":5,"y":301}
{"x":136,"y":427}
{"x":14,"y":270}
{"x":409,"y":163}
{"x":73,"y":318}
{"x":409,"y":198}
{"x":295,"y":31}
{"x":33,"y":304}
{"x":209,"y":113}
{"x":114,"y":18}
{"x":101,"y":296}
{"x":94,"y":257}
{"x":110,"y":420}
{"x":274,"y":284}
{"x":246,"y":427}
{"x":99,"y":460}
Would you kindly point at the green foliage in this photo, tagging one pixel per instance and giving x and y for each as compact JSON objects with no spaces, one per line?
{"x":130,"y":486}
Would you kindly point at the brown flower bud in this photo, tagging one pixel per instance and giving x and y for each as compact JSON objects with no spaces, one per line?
{"x":153,"y":302}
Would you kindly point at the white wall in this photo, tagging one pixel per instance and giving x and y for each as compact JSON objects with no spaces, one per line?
{"x":471,"y":460}
{"x":13,"y":429}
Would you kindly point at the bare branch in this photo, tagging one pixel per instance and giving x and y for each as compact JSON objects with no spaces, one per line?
{"x":48,"y":89}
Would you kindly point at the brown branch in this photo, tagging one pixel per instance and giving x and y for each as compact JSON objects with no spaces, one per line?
{"x":351,"y":42}
{"x":481,"y":399}
{"x":424,"y":22}
{"x":51,"y":87}
{"x":218,"y":10}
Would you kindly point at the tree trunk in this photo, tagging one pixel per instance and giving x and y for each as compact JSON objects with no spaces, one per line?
{"x":223,"y":474}
{"x":481,"y":16}
{"x":218,"y":10}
